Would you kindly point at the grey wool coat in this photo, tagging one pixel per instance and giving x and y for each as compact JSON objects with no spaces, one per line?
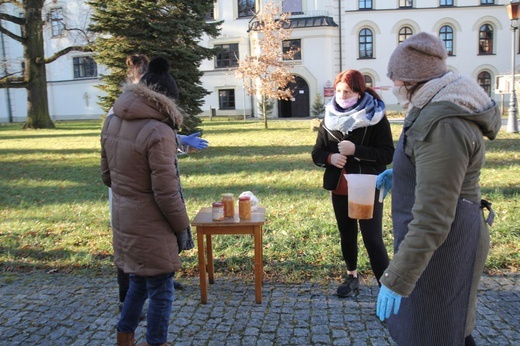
{"x":138,"y":161}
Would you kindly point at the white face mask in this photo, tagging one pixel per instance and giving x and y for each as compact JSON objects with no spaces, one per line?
{"x":347,"y":103}
{"x":402,"y":95}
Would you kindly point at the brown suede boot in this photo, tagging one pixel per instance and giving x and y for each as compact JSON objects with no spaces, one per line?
{"x":125,"y":339}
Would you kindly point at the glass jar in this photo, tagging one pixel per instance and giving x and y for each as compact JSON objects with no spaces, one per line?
{"x":229,"y":204}
{"x":217,"y":211}
{"x":244,"y":207}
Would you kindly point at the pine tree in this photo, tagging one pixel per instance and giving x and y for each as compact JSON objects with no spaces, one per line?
{"x":166,"y":28}
{"x":318,"y":106}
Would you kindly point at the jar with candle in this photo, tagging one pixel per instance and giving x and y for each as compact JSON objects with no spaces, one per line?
{"x":229,"y":204}
{"x":244,"y":207}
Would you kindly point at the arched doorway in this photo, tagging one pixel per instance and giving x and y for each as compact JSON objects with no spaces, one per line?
{"x":298,"y":107}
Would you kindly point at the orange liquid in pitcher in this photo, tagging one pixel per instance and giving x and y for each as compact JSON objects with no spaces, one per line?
{"x":360,"y":211}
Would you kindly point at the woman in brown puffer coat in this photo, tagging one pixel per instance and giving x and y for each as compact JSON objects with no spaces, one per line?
{"x":149,"y":218}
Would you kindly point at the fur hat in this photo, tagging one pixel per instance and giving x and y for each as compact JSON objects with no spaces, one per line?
{"x":158,"y":78}
{"x":419,"y":58}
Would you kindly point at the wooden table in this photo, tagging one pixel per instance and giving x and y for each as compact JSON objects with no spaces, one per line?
{"x":207,"y":227}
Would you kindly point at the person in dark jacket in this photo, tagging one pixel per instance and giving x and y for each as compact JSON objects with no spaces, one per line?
{"x":149,"y":218}
{"x":354,"y":137}
{"x":441,"y":238}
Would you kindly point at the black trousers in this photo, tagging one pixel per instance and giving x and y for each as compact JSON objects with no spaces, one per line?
{"x":371,"y":231}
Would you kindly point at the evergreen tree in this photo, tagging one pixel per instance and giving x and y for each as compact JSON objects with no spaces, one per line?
{"x":318,"y":106}
{"x":166,"y":28}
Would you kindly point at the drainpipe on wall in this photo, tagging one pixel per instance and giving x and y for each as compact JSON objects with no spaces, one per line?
{"x":340,"y":41}
{"x":7,"y":91}
{"x":252,"y":97}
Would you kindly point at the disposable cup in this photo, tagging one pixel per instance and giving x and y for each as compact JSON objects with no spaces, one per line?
{"x":361,"y":194}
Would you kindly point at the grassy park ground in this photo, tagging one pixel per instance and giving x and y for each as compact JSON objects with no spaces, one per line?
{"x":54,"y":209}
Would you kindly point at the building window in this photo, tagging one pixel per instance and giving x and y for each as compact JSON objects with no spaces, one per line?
{"x":446,"y":35}
{"x":292,"y":6}
{"x":226,"y":99}
{"x":487,"y":2}
{"x":227,"y":55}
{"x":368,"y":81}
{"x":84,"y":67}
{"x":56,"y":18}
{"x":405,"y":3}
{"x":294,"y":45}
{"x":485,"y":39}
{"x":22,"y":27}
{"x":446,"y":3}
{"x":366,"y":44}
{"x":404,"y":33}
{"x":365,"y":4}
{"x":484,"y":80}
{"x":246,"y":8}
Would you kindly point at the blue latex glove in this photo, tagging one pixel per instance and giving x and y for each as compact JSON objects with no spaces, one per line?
{"x":384,"y":181}
{"x":195,"y":141}
{"x":387,"y":302}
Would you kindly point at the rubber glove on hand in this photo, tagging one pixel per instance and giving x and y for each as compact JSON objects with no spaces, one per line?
{"x":195,"y":141}
{"x":182,"y":240}
{"x":384,"y":181}
{"x":387,"y":302}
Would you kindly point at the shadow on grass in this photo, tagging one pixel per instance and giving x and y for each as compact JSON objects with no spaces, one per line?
{"x":31,"y":259}
{"x":48,"y":135}
{"x":275,"y":270}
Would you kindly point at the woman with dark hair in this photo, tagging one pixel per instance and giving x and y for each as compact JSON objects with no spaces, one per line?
{"x":149,"y":219}
{"x":354,"y":137}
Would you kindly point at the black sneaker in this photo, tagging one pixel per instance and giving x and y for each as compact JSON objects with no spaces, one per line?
{"x":349,"y":286}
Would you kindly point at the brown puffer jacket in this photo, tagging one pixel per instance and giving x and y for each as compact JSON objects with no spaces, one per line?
{"x":138,"y":156}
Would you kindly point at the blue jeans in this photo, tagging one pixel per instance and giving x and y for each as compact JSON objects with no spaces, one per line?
{"x":159,"y":289}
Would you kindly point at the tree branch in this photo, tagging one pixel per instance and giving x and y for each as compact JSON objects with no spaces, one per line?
{"x":12,"y":19}
{"x":11,"y":35}
{"x":13,"y":82}
{"x":11,"y":74}
{"x":62,"y":52}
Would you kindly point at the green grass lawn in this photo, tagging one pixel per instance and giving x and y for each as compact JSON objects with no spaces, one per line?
{"x":54,"y":209}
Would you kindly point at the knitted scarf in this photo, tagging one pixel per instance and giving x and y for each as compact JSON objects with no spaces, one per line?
{"x":369,"y":111}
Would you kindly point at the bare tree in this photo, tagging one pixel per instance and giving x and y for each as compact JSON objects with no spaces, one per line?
{"x":33,"y":76}
{"x":265,"y":73}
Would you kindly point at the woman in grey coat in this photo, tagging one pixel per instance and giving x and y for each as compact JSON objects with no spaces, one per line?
{"x":441,"y":238}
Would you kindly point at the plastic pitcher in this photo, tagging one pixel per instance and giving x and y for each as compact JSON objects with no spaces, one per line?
{"x":361,"y":195}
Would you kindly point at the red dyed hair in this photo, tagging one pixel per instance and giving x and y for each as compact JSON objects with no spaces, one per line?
{"x":356,"y":82}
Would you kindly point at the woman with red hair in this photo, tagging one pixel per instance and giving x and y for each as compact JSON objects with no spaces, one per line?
{"x":355,"y":138}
